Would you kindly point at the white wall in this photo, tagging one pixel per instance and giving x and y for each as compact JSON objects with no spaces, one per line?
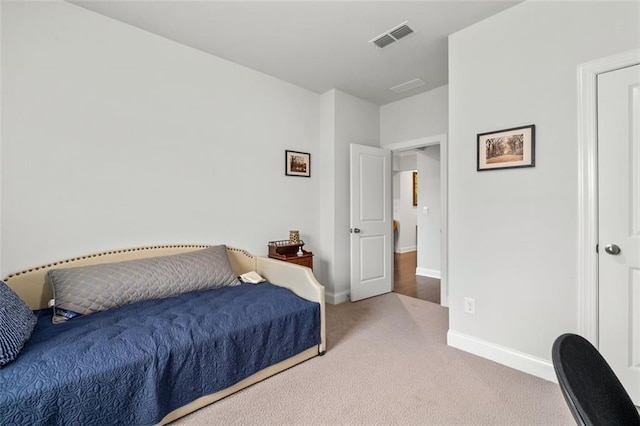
{"x":113,"y":137}
{"x":404,"y":161}
{"x":357,"y":121}
{"x":404,"y":212}
{"x":512,"y":233}
{"x":428,"y":260}
{"x":345,"y":120}
{"x":1,"y":120}
{"x":422,"y":115}
{"x":324,"y":253}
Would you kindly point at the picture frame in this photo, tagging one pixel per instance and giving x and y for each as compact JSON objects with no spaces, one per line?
{"x":415,"y":189}
{"x":507,"y":149}
{"x":297,"y":163}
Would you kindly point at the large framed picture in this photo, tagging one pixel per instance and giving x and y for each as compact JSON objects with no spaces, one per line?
{"x":297,"y":163}
{"x":507,"y":149}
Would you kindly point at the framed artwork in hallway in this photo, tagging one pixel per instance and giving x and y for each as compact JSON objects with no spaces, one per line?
{"x":415,"y":189}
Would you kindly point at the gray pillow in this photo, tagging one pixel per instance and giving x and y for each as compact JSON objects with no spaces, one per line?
{"x":89,"y":289}
{"x":16,"y":324}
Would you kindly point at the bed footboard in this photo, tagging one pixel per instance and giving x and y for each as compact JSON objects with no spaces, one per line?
{"x":298,"y":279}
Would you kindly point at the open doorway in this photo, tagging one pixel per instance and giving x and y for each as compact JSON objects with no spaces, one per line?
{"x":416,"y":223}
{"x":421,"y":271}
{"x":408,"y":283}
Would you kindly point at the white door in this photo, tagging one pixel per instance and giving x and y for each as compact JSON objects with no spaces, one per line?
{"x":371,"y":222}
{"x":619,"y":224}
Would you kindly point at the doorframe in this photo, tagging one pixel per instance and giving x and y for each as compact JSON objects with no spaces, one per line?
{"x":444,"y":196}
{"x":587,"y":261}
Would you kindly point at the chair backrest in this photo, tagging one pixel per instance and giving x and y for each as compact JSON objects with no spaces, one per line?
{"x":590,"y":387}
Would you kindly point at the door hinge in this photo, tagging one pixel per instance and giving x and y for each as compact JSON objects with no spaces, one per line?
{"x":597,"y":248}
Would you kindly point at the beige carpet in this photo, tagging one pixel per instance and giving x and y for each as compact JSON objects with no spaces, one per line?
{"x":388,"y":364}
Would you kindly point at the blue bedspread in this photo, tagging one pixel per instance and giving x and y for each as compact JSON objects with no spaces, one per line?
{"x":134,"y":364}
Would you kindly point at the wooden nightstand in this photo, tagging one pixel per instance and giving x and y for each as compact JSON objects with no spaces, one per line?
{"x":287,"y":252}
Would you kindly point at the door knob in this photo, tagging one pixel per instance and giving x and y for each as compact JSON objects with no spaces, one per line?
{"x":355,"y":230}
{"x":612,"y":249}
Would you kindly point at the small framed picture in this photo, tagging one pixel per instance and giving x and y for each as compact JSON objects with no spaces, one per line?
{"x":297,"y":163}
{"x":507,"y":149}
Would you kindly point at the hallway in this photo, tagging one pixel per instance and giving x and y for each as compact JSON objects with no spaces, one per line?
{"x":410,"y":284}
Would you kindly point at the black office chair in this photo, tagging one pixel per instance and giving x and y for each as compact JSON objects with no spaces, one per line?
{"x":593,"y":392}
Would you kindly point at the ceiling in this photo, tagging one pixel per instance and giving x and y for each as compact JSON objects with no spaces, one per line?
{"x":317,"y":45}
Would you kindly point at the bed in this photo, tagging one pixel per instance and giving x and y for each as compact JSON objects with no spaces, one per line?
{"x":153,"y":361}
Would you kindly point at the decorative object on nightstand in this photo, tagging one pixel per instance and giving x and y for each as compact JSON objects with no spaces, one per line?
{"x":294,"y":237}
{"x":293,"y":253}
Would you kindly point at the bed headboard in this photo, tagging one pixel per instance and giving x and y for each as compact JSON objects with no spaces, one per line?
{"x":31,"y":286}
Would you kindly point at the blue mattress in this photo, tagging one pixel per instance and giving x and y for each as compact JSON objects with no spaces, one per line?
{"x":134,"y":364}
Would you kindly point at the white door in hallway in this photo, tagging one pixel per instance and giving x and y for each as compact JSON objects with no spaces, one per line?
{"x":619,"y":224}
{"x":371,"y":222}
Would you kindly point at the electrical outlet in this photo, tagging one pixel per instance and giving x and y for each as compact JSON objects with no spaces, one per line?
{"x":469,"y":305}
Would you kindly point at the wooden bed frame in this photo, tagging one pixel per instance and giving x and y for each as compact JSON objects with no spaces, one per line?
{"x":31,"y":286}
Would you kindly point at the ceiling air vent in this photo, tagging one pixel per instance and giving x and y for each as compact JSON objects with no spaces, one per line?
{"x":402,"y":31}
{"x":384,"y":41}
{"x":393,"y":35}
{"x":408,"y":85}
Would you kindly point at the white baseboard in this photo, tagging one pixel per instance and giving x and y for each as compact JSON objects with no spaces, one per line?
{"x":336,"y":298}
{"x":428,"y":272}
{"x":502,"y":355}
{"x":407,"y":249}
